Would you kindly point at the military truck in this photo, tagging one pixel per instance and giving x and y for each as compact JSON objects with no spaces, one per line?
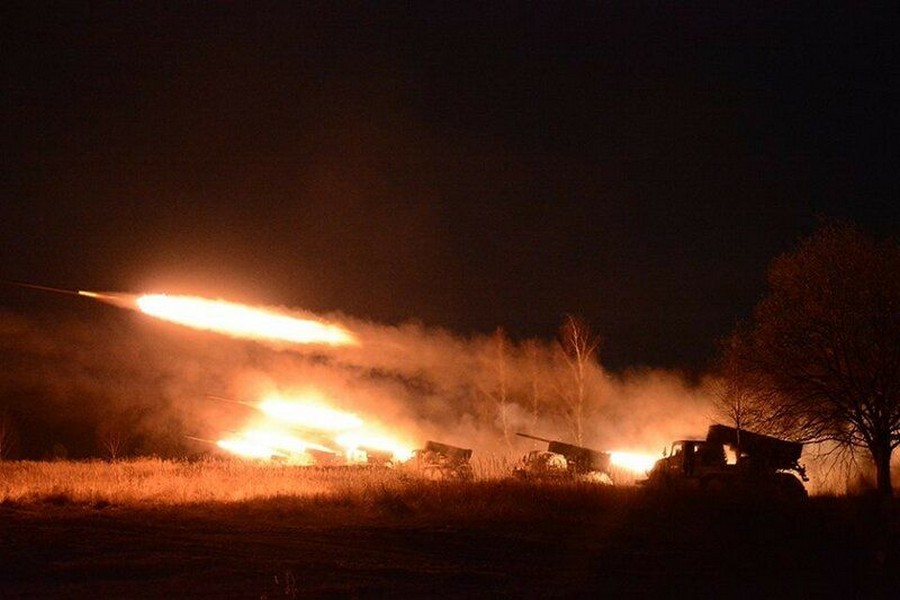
{"x":760,"y":465}
{"x":377,"y":458}
{"x":563,"y":461}
{"x":439,"y":461}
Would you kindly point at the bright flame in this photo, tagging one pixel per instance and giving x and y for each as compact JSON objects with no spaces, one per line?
{"x":309,"y":414}
{"x":281,"y":441}
{"x":309,"y":417}
{"x":247,"y":449}
{"x":354,"y":442}
{"x":240,"y":321}
{"x":633,"y":461}
{"x":313,"y":416}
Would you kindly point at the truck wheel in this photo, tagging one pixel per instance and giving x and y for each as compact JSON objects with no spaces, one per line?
{"x":714,"y":486}
{"x":790,"y":488}
{"x":465,"y":473}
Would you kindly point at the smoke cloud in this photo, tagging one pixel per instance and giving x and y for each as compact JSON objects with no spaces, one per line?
{"x":70,"y":382}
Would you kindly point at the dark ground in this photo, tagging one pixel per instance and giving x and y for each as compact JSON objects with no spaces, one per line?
{"x":632,"y":545}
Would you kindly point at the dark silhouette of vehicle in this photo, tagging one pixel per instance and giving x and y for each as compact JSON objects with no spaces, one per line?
{"x":762,"y":465}
{"x":439,"y":461}
{"x":563,"y":461}
{"x":378,"y":458}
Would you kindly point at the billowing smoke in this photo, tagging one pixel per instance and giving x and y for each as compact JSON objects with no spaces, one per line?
{"x":71,"y":386}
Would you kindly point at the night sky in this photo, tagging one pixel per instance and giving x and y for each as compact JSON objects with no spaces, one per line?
{"x":465,"y":168}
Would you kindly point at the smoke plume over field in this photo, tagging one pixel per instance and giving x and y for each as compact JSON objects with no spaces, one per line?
{"x":72,"y":383}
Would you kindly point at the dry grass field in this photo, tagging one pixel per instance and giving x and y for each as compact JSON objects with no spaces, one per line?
{"x":228,"y":529}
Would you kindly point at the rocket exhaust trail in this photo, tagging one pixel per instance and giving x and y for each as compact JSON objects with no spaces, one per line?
{"x":198,"y":439}
{"x":220,"y":316}
{"x":233,"y":401}
{"x":43,"y":288}
{"x":121,"y":300}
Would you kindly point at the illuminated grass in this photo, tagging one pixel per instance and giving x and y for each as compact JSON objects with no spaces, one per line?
{"x":389,"y":492}
{"x":157,"y":481}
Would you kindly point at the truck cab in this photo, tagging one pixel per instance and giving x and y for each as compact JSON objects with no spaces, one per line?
{"x":761,"y":465}
{"x":690,"y":459}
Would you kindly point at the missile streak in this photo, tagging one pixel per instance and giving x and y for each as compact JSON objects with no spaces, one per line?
{"x":232,"y":401}
{"x":198,"y":439}
{"x":43,"y":288}
{"x":122,"y":300}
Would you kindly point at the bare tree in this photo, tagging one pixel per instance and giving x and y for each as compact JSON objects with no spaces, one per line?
{"x":533,"y":358}
{"x":497,"y":389}
{"x":736,"y":396}
{"x":579,"y":351}
{"x":112,"y":439}
{"x":823,"y":349}
{"x":112,"y":444}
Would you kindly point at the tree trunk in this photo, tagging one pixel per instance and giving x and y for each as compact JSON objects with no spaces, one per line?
{"x":881,"y":453}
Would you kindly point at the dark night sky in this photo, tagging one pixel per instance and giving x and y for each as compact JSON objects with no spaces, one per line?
{"x":467,"y":168}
